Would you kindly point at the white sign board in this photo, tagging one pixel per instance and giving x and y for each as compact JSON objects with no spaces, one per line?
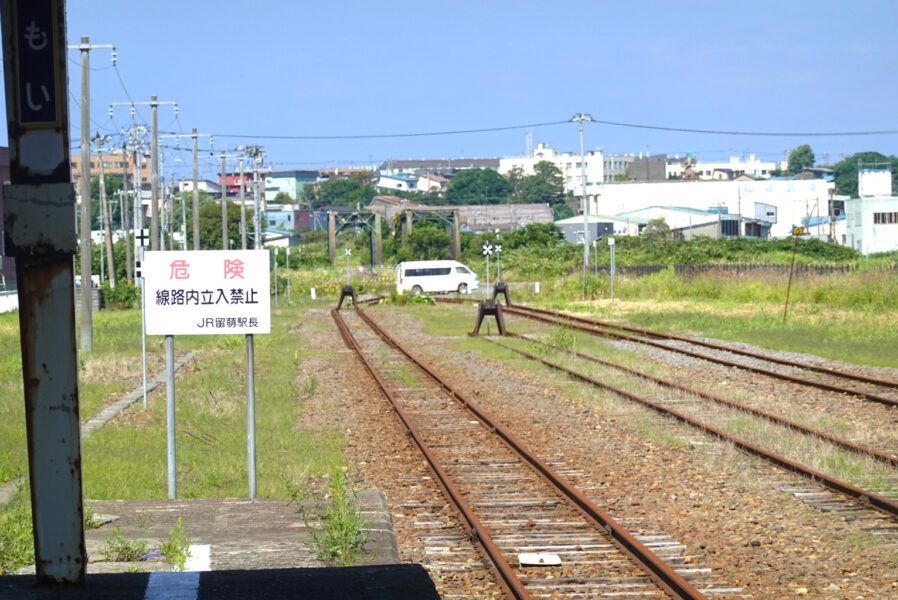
{"x":202,"y":292}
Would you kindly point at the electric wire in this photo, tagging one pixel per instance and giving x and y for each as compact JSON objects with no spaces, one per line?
{"x":751,"y":133}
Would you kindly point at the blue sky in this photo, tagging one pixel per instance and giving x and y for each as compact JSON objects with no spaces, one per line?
{"x":279,"y":68}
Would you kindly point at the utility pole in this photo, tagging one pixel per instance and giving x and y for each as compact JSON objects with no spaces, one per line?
{"x":104,"y":209}
{"x":224,"y":205}
{"x":258,"y":155}
{"x":154,"y":161}
{"x":580,"y":117}
{"x":242,"y":206}
{"x":194,"y":137}
{"x":154,"y":173}
{"x":196,"y":195}
{"x":87,"y":335}
{"x":126,"y":221}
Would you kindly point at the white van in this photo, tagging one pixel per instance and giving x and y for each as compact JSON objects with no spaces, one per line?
{"x":435,"y":276}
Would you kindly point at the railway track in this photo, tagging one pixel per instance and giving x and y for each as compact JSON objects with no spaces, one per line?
{"x":882,"y":500}
{"x":537,"y":533}
{"x":855,"y":384}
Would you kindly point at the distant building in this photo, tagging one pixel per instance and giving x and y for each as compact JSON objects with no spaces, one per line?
{"x":447,"y":167}
{"x":390,"y":206}
{"x":737,"y":166}
{"x":114,"y":164}
{"x":400,"y":182}
{"x":502,"y":217}
{"x":597,"y":227}
{"x":289,"y":182}
{"x":872,"y":224}
{"x":430,"y":182}
{"x":477,"y":217}
{"x":792,"y":202}
{"x":203,"y":185}
{"x":569,"y":163}
{"x":648,"y":168}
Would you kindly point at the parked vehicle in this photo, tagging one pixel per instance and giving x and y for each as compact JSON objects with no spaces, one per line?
{"x":420,"y":276}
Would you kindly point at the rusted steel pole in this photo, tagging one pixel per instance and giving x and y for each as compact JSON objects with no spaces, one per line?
{"x":40,"y":233}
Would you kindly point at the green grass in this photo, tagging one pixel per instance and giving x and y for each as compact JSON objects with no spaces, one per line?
{"x":127,"y":458}
{"x":852,"y":337}
{"x":16,"y":543}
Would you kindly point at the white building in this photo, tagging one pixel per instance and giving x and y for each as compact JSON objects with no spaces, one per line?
{"x":203,"y":185}
{"x":784,"y":203}
{"x":705,"y":169}
{"x":568,"y":163}
{"x":872,"y":224}
{"x":405,"y":183}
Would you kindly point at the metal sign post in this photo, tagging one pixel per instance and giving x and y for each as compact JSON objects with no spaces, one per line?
{"x":140,"y":242}
{"x":170,"y":415}
{"x":39,"y":218}
{"x":218,"y":292}
{"x":348,"y":253}
{"x":498,"y":262}
{"x":487,"y":250}
{"x":251,"y":414}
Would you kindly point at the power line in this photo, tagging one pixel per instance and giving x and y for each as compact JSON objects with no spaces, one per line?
{"x":552,"y":123}
{"x":753,"y":133}
{"x":388,"y":135}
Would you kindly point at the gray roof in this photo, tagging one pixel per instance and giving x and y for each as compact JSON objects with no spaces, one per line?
{"x":454,"y":163}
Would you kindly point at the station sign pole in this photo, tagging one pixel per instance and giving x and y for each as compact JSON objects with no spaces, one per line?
{"x":39,"y":219}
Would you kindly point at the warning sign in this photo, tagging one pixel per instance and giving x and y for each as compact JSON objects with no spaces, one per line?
{"x":218,"y":292}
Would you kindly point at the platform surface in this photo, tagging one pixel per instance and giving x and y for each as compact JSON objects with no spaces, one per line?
{"x":379,"y":582}
{"x":257,"y":549}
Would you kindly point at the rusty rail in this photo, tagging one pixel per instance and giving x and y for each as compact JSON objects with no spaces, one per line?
{"x":665,"y":577}
{"x":599,"y":328}
{"x":479,"y":533}
{"x":884,"y":505}
{"x":880,"y":456}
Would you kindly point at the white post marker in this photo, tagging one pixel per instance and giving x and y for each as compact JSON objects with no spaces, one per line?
{"x":208,"y":292}
{"x":348,"y":253}
{"x":498,"y":262}
{"x":611,"y":267}
{"x":275,"y":277}
{"x":487,"y":251}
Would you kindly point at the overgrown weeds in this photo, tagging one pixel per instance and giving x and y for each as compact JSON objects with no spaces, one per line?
{"x":336,"y":526}
{"x":118,"y":548}
{"x":176,"y":550}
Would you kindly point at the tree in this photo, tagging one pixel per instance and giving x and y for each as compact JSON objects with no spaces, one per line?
{"x":113,"y":186}
{"x":282,"y":197}
{"x":426,"y":242}
{"x":210,"y":226}
{"x":535,"y":234}
{"x":799,"y":159}
{"x":478,"y":186}
{"x":545,"y":185}
{"x":656,"y":231}
{"x":337,"y":191}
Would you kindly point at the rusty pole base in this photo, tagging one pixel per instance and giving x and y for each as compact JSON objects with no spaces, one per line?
{"x":347,"y":290}
{"x":501,"y":288}
{"x":488,"y":308}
